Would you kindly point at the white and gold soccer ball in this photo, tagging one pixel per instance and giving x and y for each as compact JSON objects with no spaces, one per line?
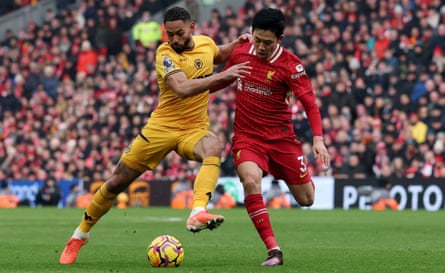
{"x":165,"y":251}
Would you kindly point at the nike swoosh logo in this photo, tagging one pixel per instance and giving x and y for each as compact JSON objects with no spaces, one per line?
{"x":302,"y":175}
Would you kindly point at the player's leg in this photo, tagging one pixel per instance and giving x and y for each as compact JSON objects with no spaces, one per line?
{"x":303,"y":193}
{"x":102,"y":202}
{"x":250,"y":175}
{"x":251,"y":163}
{"x":142,"y":154}
{"x":203,"y":146}
{"x":288,"y":163}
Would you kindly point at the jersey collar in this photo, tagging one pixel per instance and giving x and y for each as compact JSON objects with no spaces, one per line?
{"x":275,"y":54}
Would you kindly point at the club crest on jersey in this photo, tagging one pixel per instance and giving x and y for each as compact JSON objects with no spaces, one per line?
{"x":198,"y":64}
{"x":168,"y":64}
{"x":270,"y":75}
{"x":238,"y":154}
{"x":300,"y":72}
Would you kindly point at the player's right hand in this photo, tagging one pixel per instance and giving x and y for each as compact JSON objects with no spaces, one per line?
{"x":237,"y":71}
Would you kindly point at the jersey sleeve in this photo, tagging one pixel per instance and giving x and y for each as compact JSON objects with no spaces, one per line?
{"x":228,"y":64}
{"x":167,"y":62}
{"x":301,"y":86}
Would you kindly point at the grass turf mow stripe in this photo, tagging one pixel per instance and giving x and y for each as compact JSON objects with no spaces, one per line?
{"x":312,"y":241}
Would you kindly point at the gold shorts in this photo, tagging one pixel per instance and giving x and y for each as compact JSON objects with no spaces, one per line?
{"x":153,"y":143}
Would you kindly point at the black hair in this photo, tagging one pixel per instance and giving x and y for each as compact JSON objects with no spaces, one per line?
{"x":269,"y":19}
{"x":177,"y":13}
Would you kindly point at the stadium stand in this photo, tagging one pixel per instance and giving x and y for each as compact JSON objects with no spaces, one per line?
{"x":377,"y":68}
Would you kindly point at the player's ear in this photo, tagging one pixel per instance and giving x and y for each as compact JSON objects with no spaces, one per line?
{"x":280,"y":38}
{"x":192,"y":26}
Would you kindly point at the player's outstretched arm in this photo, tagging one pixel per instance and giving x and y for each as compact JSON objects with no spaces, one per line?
{"x":185,"y":87}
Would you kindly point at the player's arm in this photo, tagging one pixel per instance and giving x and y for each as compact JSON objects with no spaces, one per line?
{"x":224,"y":84}
{"x":169,"y":69}
{"x":319,"y":149}
{"x":185,"y":87}
{"x":301,"y":86}
{"x":313,"y":114}
{"x":226,"y":49}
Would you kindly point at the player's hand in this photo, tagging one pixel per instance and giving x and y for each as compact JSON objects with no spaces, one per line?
{"x":321,"y":152}
{"x":237,"y":70}
{"x":245,"y":38}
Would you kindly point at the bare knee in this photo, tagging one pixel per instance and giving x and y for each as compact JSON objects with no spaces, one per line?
{"x":303,"y":194}
{"x":211,"y":146}
{"x":250,"y":175}
{"x":121,"y":178}
{"x":306,"y":201}
{"x":251,"y":186}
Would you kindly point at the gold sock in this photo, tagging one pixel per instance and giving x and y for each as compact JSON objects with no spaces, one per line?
{"x":102,"y":202}
{"x":205,"y":181}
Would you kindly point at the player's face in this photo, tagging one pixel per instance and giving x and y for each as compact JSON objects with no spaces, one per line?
{"x":264,"y":42}
{"x":179,"y":34}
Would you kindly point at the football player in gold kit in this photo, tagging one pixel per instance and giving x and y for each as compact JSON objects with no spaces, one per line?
{"x":184,"y":67}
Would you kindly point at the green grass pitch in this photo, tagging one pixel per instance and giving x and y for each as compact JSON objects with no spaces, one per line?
{"x":312,"y":241}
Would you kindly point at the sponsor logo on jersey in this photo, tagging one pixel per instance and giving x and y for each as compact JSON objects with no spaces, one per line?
{"x":300,"y":72}
{"x":299,"y":68}
{"x":254,"y":88}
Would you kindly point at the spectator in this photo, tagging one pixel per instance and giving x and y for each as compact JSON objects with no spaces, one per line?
{"x":113,"y":38}
{"x":100,"y":36}
{"x":417,"y":128}
{"x":75,"y":192}
{"x":380,"y":195}
{"x":275,"y":198}
{"x":222,"y":199}
{"x":50,"y":81}
{"x":194,"y":8}
{"x":182,"y":192}
{"x":147,"y":31}
{"x":87,"y":61}
{"x":32,"y":80}
{"x":7,"y":198}
{"x":49,"y":194}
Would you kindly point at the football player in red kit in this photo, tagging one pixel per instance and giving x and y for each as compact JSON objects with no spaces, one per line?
{"x":264,"y":139}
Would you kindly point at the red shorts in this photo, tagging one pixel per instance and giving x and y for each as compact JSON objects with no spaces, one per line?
{"x":282,"y":158}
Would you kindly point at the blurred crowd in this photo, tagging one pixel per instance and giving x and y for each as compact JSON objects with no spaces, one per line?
{"x":75,"y":90}
{"x":8,"y":6}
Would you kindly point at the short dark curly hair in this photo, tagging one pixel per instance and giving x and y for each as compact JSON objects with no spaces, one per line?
{"x":177,"y":13}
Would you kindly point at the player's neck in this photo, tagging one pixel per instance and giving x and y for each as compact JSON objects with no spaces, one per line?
{"x":273,"y":53}
{"x":190,"y":45}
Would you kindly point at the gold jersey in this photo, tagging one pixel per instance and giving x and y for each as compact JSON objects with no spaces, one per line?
{"x":173,"y":111}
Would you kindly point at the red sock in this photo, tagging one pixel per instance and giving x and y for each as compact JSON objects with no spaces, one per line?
{"x":260,"y":217}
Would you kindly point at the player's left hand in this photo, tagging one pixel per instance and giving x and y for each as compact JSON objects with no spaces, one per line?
{"x":321,"y":152}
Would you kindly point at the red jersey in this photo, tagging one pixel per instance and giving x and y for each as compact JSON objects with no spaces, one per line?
{"x":262,"y":108}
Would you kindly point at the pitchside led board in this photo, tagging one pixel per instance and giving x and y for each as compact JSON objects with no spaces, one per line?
{"x":330,"y":193}
{"x":26,"y":190}
{"x":324,"y":190}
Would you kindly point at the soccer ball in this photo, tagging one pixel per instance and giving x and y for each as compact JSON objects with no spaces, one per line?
{"x":165,"y":251}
